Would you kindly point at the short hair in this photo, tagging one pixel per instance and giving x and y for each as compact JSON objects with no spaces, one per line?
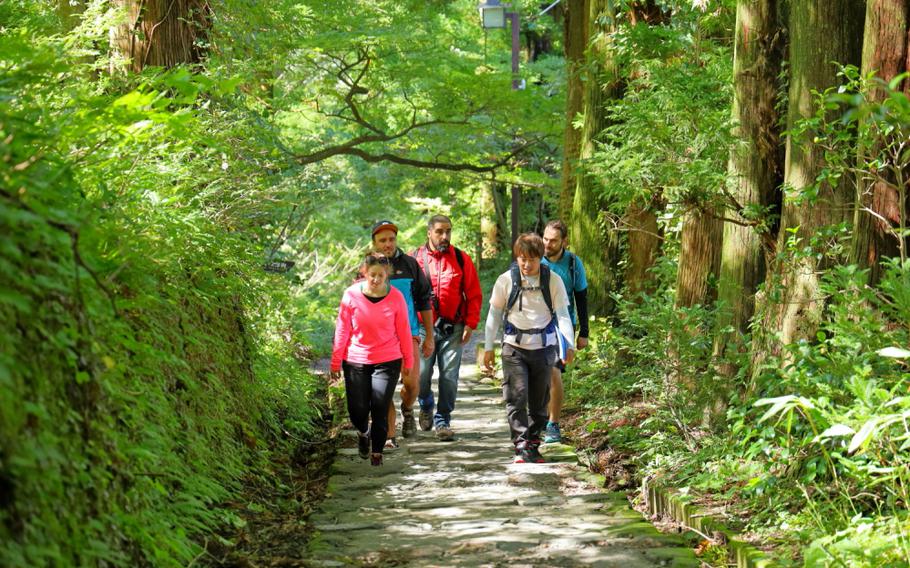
{"x":437,"y":219}
{"x":375,"y":259}
{"x":528,"y":245}
{"x":559,"y":226}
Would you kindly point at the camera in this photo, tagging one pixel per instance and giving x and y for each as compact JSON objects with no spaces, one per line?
{"x":444,"y":328}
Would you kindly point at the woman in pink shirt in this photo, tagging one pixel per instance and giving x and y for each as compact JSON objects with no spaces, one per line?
{"x":372,"y":340}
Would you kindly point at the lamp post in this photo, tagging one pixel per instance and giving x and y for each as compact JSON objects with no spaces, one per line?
{"x":493,"y":15}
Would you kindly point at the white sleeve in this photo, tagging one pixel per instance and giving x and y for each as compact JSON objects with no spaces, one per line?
{"x":565,"y":326}
{"x":500,"y":294}
{"x":558,"y":292}
{"x":494,"y":317}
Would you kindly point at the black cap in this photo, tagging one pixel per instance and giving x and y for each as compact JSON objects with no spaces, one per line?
{"x":384,"y":225}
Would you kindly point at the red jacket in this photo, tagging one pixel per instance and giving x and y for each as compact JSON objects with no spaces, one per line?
{"x":455,"y":288}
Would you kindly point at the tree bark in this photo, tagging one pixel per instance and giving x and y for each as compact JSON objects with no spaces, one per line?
{"x":699,"y":258}
{"x":644,"y":241}
{"x":575,"y":38}
{"x":492,"y":221}
{"x":878,"y":207}
{"x":598,"y":250}
{"x":822,"y":32}
{"x":755,"y":166}
{"x":162,"y":33}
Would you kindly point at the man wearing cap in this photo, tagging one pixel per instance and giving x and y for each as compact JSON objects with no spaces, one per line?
{"x":409,"y":279}
{"x":456,"y":313}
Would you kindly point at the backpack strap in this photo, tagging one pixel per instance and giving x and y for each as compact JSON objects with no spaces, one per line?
{"x":545,"y":287}
{"x":459,"y":258}
{"x":516,"y":287}
{"x":572,"y":258}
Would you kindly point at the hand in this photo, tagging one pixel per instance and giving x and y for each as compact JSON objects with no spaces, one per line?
{"x":581,"y":343}
{"x":466,"y":336}
{"x":335,"y":376}
{"x":429,"y":345}
{"x":489,"y":362}
{"x":570,"y":356}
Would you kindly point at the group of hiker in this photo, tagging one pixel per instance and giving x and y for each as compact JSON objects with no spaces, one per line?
{"x":409,"y":315}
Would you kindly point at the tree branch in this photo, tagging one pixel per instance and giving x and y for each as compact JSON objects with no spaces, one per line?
{"x":351,"y":148}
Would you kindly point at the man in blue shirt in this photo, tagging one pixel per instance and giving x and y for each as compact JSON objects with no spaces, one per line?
{"x":572,"y":271}
{"x":411,"y":281}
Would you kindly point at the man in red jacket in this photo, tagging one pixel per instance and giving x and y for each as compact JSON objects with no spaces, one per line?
{"x":456,"y":314}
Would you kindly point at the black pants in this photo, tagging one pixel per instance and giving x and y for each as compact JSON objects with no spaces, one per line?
{"x":526,"y":390}
{"x":369,"y":390}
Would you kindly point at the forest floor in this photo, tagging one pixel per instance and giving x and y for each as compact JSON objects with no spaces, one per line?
{"x":460,"y":503}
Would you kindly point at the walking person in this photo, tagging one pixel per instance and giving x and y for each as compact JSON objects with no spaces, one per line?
{"x":532,"y":307}
{"x":372,"y":342}
{"x":569,"y":267}
{"x":456,"y":313}
{"x":408,"y":278}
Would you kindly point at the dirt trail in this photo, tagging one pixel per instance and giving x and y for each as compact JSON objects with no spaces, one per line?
{"x":464,"y":503}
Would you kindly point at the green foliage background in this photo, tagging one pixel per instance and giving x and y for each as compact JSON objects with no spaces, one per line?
{"x":147,"y":361}
{"x":149,"y":366}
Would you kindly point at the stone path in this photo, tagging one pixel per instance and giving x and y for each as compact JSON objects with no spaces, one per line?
{"x":464,"y":503}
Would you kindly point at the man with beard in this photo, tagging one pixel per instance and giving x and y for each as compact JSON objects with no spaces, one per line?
{"x":569,"y":267}
{"x":410,"y":280}
{"x":456,"y":313}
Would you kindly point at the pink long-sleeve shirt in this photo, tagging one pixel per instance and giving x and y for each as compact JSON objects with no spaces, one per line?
{"x":370,"y":333}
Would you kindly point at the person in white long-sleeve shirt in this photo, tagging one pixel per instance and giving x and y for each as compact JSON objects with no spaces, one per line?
{"x":530,"y":343}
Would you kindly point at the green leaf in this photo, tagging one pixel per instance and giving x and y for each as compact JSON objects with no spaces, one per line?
{"x":835,"y":431}
{"x":894,"y":352}
{"x":864,"y":435}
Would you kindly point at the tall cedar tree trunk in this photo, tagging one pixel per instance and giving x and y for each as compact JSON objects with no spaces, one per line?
{"x":699,"y":258}
{"x":644,"y":242}
{"x":821,"y":32}
{"x":162,"y":33}
{"x":599,"y":252}
{"x":575,"y":38}
{"x":885,"y":51}
{"x":644,"y":237}
{"x":756,"y":166}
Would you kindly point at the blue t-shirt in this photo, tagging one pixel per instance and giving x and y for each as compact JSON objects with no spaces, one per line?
{"x":409,"y":279}
{"x":564,"y":268}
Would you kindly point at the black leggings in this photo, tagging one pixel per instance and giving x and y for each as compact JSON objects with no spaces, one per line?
{"x":369,"y":389}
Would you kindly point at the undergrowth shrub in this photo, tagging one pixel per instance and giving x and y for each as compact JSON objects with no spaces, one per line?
{"x":147,"y":363}
{"x":838,"y":416}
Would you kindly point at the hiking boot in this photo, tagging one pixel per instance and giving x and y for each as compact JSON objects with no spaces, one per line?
{"x":426,"y":421}
{"x":552,"y":435}
{"x":532,"y":454}
{"x":391,"y":443}
{"x":444,"y":433}
{"x":408,"y":426}
{"x":520,"y":453}
{"x":363,"y":444}
{"x":375,"y":459}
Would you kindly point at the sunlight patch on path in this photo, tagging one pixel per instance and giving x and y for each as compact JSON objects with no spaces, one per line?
{"x":464,"y":503}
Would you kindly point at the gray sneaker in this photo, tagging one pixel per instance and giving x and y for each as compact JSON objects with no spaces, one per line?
{"x":444,"y":433}
{"x":426,"y":421}
{"x":408,"y":425}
